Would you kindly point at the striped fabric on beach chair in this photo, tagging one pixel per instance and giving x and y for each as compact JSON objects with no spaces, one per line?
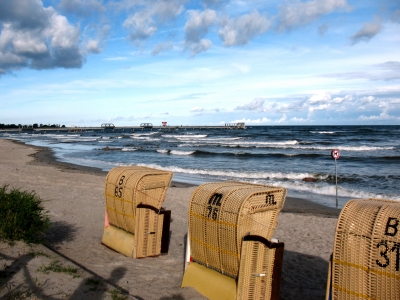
{"x":136,"y":224}
{"x":231,"y":225}
{"x":365,"y":263}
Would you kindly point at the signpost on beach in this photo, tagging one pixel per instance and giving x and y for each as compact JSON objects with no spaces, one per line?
{"x":335,"y":155}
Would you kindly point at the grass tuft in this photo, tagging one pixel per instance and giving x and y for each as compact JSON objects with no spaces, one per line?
{"x":39,"y":253}
{"x":22,"y":216}
{"x":117,"y":295}
{"x":56,"y":267}
{"x":16,"y":295}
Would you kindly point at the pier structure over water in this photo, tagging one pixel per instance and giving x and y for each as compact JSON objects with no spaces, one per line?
{"x":109,"y":127}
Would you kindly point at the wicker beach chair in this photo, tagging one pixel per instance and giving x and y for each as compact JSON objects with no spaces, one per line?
{"x":230,"y":228}
{"x":365,"y":263}
{"x":136,"y":224}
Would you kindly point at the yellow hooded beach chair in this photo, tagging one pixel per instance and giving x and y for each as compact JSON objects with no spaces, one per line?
{"x":229,"y":250}
{"x":136,"y":225}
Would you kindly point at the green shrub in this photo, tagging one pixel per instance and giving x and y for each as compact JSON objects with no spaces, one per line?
{"x":22,"y":216}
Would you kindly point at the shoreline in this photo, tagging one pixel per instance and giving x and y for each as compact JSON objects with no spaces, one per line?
{"x":45,"y":156}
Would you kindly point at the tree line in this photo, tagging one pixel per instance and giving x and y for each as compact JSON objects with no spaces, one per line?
{"x":35,"y":125}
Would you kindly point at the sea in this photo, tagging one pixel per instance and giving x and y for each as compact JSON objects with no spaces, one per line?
{"x":298,"y":158}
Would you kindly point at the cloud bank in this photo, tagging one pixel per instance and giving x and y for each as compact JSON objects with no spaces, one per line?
{"x":37,"y":37}
{"x":62,"y":36}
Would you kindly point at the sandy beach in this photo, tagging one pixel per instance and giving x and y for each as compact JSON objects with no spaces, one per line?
{"x":73,"y":196}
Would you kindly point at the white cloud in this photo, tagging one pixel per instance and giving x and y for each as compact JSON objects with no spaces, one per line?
{"x":196,"y":28}
{"x":301,"y":13}
{"x":239,"y":31}
{"x":383,"y":116}
{"x":322,"y":97}
{"x":92,"y":46}
{"x":367,"y":32}
{"x":319,"y":107}
{"x":339,"y":100}
{"x":117,"y":58}
{"x":264,"y":120}
{"x":250,"y":121}
{"x":199,"y":47}
{"x":36,"y":36}
{"x":287,"y":107}
{"x":367,"y":99}
{"x":197,"y":110}
{"x":141,"y":25}
{"x":283,"y":119}
{"x":341,"y":108}
{"x":256,"y":104}
{"x":322,"y":29}
{"x":61,"y":32}
{"x":144,"y":22}
{"x":298,"y":120}
{"x":161,"y":47}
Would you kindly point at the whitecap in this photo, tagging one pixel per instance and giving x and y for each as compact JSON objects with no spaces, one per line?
{"x":162,"y":150}
{"x":177,"y":152}
{"x":128,"y":149}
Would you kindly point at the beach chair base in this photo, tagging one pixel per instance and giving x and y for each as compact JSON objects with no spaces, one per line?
{"x":328,"y":295}
{"x":118,"y":240}
{"x":209,"y":283}
{"x":153,"y":234}
{"x":259,"y":274}
{"x":260,"y":269}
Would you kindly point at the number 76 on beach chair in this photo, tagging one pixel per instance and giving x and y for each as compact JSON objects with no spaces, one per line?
{"x":365,"y":262}
{"x":136,"y":225}
{"x":229,"y":250}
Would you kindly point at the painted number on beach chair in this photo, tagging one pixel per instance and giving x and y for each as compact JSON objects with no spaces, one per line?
{"x":270,"y":199}
{"x":213,"y":204}
{"x":386,"y":246}
{"x":118,"y":189}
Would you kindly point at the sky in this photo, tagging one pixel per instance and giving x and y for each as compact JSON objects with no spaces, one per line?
{"x":210,"y":62}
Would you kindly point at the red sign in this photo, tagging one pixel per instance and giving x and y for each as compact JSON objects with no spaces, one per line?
{"x":335,"y":154}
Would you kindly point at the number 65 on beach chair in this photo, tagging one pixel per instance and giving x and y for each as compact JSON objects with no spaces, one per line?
{"x":135,"y":223}
{"x":229,"y":250}
{"x":365,"y":263}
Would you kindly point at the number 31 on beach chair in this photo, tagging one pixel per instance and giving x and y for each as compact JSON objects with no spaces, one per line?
{"x":365,"y":263}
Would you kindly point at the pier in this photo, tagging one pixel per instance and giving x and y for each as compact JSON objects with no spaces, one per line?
{"x":109,"y":127}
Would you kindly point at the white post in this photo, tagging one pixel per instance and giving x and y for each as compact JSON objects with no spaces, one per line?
{"x":187,"y":256}
{"x":335,"y":155}
{"x":336,"y":183}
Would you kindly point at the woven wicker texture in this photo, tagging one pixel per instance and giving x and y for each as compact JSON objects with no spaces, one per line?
{"x":256,"y":271}
{"x":221,"y":213}
{"x":126,"y":187}
{"x":148,"y":238}
{"x":366,"y":255}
